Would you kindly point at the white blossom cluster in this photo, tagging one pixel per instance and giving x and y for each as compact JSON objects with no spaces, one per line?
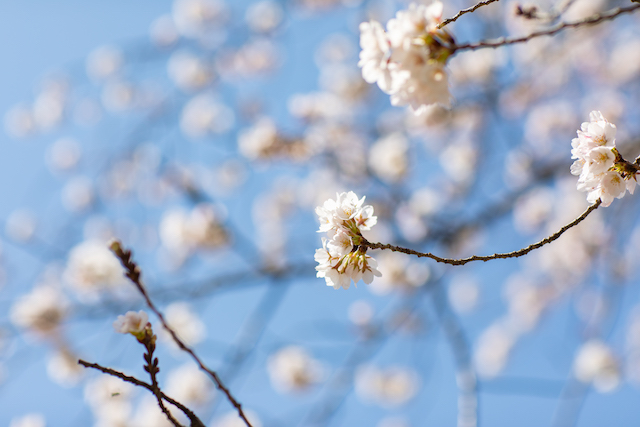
{"x":600,"y":174}
{"x":341,"y":259}
{"x":408,"y":60}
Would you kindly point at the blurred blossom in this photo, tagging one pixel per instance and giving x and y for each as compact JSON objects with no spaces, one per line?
{"x":186,"y":324}
{"x":30,"y":420}
{"x":411,"y":225}
{"x":204,"y":115}
{"x":21,"y":225}
{"x":41,"y":310}
{"x":459,"y":160}
{"x":184,"y":232}
{"x":188,"y":71}
{"x":525,"y":301}
{"x":429,"y":117}
{"x":63,"y":154}
{"x":335,"y":48}
{"x":360,"y":312}
{"x":463,"y":293}
{"x":343,"y":80}
{"x":163,"y":31}
{"x":517,"y":168}
{"x":264,"y":16}
{"x":399,"y":273}
{"x":476,"y":66}
{"x":595,"y":363}
{"x":198,"y":18}
{"x":118,"y":96}
{"x":189,"y":385}
{"x":388,"y":387}
{"x":388,"y":157}
{"x":78,"y":194}
{"x":19,"y":122}
{"x":546,"y":122}
{"x":492,"y":350}
{"x":109,"y":398}
{"x":624,"y":65}
{"x":232,"y":419}
{"x":104,"y":62}
{"x":260,"y":140}
{"x":291,"y":370}
{"x":92,"y":269}
{"x":532,"y":209}
{"x":426,"y":201}
{"x":149,"y":414}
{"x":63,"y":368}
{"x":257,"y":56}
{"x":48,"y":109}
{"x":318,"y":106}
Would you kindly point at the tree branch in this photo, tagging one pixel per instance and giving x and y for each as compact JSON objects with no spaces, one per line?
{"x":463,"y":261}
{"x":592,"y":20}
{"x":133,"y":273}
{"x":195,"y":421}
{"x":465,"y":11}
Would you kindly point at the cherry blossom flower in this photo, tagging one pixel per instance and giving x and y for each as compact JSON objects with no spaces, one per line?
{"x":131,"y":323}
{"x":341,"y":259}
{"x":601,"y":171}
{"x":408,"y":60}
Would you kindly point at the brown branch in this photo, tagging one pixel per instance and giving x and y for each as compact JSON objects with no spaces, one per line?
{"x":463,"y":261}
{"x":591,"y":20}
{"x":195,"y":421}
{"x":133,"y":273}
{"x":464,"y":11}
{"x":152,"y":368}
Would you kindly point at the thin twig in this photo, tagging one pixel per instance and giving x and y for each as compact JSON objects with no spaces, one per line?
{"x":152,"y":368}
{"x":592,"y":20}
{"x":195,"y":421}
{"x":133,"y":273}
{"x":464,"y":11}
{"x":463,"y":261}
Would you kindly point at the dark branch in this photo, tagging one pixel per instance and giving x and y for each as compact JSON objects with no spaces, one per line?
{"x":133,"y":273}
{"x":465,"y":11}
{"x":463,"y":261}
{"x":592,"y":20}
{"x":195,"y":421}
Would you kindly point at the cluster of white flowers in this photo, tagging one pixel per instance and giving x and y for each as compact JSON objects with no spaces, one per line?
{"x":598,"y":164}
{"x":341,"y":257}
{"x":408,"y":60}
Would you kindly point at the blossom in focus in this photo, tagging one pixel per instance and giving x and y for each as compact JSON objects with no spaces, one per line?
{"x":341,"y":259}
{"x":601,"y":171}
{"x":131,"y":323}
{"x":408,"y":60}
{"x":292,"y":369}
